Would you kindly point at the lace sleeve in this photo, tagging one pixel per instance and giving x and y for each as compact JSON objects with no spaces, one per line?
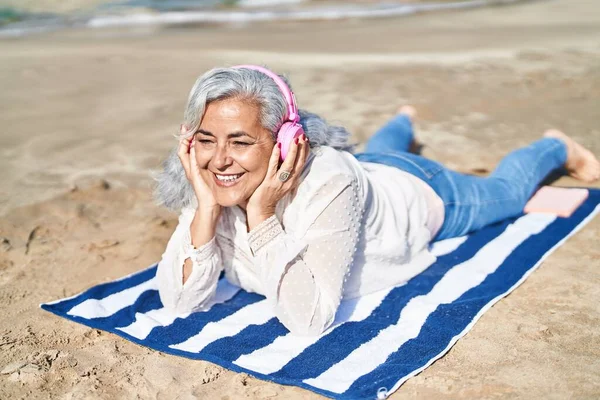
{"x":305,"y":279}
{"x":202,"y":282}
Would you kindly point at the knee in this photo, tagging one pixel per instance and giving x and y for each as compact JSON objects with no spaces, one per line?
{"x":515,"y":192}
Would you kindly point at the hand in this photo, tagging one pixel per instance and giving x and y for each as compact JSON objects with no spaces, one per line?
{"x":202,"y":228}
{"x":187,"y":156}
{"x":263,"y":201}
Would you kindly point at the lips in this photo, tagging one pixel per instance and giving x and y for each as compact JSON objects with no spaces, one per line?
{"x":227,"y":180}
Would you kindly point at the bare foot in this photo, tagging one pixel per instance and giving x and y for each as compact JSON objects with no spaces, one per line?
{"x":581,"y":163}
{"x":409,"y":111}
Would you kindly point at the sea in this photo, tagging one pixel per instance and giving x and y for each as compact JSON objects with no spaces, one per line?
{"x":131,"y":13}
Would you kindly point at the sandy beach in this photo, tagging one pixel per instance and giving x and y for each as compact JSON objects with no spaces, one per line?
{"x":87,"y":115}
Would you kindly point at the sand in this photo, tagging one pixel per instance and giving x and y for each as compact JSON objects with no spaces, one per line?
{"x":86,"y":116}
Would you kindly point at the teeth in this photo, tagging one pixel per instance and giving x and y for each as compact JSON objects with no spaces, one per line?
{"x":227,"y":178}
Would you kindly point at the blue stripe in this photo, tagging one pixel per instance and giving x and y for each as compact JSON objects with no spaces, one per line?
{"x":451,"y":319}
{"x":182,"y":329}
{"x":147,"y":301}
{"x":101,"y":291}
{"x":251,"y":338}
{"x":349,"y":336}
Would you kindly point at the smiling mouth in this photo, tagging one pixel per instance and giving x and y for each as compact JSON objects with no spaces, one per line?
{"x":227,"y":180}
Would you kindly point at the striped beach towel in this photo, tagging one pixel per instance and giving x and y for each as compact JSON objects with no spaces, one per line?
{"x":377,"y":341}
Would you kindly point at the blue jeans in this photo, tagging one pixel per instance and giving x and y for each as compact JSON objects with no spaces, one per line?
{"x":470,"y":202}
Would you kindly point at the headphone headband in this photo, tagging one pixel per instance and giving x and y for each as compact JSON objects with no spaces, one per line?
{"x":287,"y":93}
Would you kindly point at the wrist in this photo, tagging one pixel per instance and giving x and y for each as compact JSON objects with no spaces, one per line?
{"x":208,"y":214}
{"x":255,"y":216}
{"x":260,"y":209}
{"x":263,"y":234}
{"x":203,"y":226}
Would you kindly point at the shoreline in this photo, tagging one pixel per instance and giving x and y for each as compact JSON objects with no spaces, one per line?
{"x":299,"y":11}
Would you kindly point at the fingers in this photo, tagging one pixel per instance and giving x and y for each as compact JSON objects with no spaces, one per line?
{"x":290,"y":158}
{"x":194,"y":171}
{"x":184,"y":147}
{"x":294,"y":161}
{"x":274,"y":160}
{"x":183,"y":151}
{"x":184,"y":156}
{"x":302,"y":155}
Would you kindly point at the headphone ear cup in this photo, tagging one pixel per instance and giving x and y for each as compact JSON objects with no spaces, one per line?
{"x":286,"y":135}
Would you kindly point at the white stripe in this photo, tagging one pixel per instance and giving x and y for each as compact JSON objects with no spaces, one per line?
{"x":93,"y":308}
{"x":495,"y":300}
{"x":82,"y":292}
{"x":272,"y":358}
{"x":455,"y":282}
{"x":145,"y":322}
{"x":253,"y":314}
{"x":446,"y":246}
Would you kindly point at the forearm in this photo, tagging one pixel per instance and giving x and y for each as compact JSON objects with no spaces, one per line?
{"x":304,"y":306}
{"x":203,"y":226}
{"x":187,"y":270}
{"x":288,"y":282}
{"x":304,"y":274}
{"x":186,"y":291}
{"x":202,"y":230}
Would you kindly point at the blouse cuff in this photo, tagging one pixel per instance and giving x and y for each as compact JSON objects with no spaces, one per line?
{"x":197,"y":255}
{"x":264,"y":233}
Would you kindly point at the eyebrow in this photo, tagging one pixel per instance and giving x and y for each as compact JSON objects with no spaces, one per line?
{"x":232,"y":135}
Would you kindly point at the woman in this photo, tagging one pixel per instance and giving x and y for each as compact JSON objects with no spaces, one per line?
{"x":323,"y":224}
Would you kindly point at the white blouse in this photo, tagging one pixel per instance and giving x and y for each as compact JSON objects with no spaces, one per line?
{"x":350,"y":229}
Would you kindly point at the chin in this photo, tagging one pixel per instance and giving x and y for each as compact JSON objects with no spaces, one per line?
{"x":230,"y":202}
{"x":230,"y":199}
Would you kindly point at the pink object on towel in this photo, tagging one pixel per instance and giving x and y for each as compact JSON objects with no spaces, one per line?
{"x":558,"y":201}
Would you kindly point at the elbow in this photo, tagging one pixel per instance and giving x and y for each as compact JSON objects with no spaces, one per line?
{"x":179,"y":304}
{"x":173,"y":298}
{"x":187,"y":299}
{"x":184,"y":296}
{"x":169,"y":297}
{"x":311,"y":326}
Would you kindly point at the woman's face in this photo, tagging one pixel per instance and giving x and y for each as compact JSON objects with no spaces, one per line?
{"x":232,"y":150}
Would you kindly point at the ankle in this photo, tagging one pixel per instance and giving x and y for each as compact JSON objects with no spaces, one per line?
{"x":563,"y":139}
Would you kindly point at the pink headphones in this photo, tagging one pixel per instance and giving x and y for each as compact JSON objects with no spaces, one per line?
{"x":290,"y":129}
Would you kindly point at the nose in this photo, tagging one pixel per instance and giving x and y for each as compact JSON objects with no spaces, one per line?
{"x":221,"y":159}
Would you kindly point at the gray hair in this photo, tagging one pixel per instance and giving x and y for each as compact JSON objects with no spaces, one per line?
{"x":172,"y":187}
